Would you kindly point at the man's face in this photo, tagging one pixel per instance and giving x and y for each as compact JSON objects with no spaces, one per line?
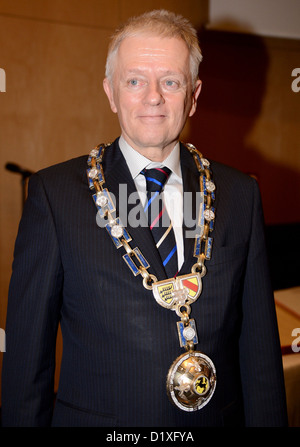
{"x":151,"y":92}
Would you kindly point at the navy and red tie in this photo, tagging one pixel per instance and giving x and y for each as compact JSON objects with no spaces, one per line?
{"x":159,"y":220}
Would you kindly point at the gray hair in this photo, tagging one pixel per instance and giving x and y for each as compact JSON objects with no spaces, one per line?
{"x":160,"y":23}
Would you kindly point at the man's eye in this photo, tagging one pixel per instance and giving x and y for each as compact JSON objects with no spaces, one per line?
{"x":171,"y":84}
{"x":133,"y":82}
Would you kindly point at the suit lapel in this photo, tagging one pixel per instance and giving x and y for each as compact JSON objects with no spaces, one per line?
{"x":120,"y":183}
{"x":190,"y":177}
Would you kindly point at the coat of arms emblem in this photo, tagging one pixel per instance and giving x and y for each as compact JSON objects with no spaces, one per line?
{"x":182,"y":290}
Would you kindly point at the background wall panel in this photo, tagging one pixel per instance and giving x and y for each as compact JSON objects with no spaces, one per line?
{"x":92,"y":13}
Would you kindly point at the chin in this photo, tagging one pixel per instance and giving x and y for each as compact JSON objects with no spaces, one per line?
{"x":152,"y":141}
{"x":152,"y":144}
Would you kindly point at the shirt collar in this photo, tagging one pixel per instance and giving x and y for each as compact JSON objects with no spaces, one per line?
{"x":137,"y":162}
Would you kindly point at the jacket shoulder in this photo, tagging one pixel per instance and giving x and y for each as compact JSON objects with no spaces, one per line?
{"x":228,"y":173}
{"x":74,"y":164}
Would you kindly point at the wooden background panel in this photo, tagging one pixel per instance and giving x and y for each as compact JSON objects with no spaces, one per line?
{"x":92,"y":13}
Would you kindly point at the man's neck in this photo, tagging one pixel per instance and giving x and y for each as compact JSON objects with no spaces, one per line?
{"x":155,"y":154}
{"x":137,"y":162}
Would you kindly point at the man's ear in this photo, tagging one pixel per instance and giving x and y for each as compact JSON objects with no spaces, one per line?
{"x":109,"y":92}
{"x":195,"y":96}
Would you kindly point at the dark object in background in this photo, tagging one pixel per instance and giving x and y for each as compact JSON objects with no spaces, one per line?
{"x":283,"y":247}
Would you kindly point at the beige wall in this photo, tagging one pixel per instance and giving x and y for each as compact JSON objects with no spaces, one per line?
{"x":279,"y":18}
{"x":53,"y":53}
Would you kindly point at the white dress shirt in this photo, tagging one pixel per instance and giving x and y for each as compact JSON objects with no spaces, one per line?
{"x":173,"y":190}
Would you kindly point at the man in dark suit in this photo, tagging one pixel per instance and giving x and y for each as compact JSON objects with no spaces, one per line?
{"x":197,"y":346}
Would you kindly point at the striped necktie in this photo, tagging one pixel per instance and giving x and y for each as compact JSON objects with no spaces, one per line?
{"x":159,"y":220}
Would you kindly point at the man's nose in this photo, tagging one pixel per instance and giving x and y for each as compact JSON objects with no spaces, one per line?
{"x":153,"y":94}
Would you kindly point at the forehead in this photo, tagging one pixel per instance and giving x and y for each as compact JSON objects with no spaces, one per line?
{"x":153,"y":51}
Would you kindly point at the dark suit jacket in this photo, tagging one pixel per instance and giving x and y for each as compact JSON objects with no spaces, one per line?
{"x":118,"y":343}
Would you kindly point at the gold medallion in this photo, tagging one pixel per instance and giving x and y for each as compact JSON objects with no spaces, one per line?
{"x":191,"y":381}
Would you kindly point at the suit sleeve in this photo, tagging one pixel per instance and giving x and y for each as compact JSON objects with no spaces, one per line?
{"x":260,"y":354}
{"x":32,"y":316}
